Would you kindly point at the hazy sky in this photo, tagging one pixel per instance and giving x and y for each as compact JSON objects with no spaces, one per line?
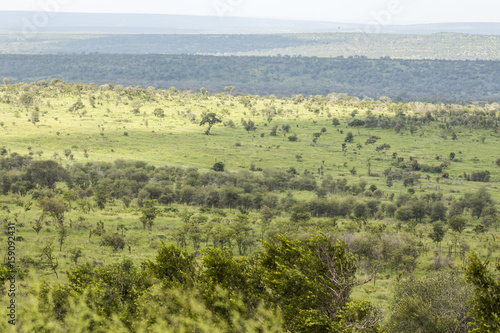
{"x":360,"y":11}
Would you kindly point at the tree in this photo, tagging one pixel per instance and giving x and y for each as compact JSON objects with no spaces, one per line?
{"x":418,"y":209}
{"x":210,"y":119}
{"x":35,"y":116}
{"x":47,"y":258}
{"x":27,"y":99}
{"x":404,"y":213}
{"x":349,"y":137}
{"x":149,"y":213}
{"x":438,"y":211}
{"x":371,"y":141}
{"x":55,"y":207}
{"x":62,"y":233}
{"x":356,"y":123}
{"x":361,"y":210}
{"x":299,"y":213}
{"x":311,"y":282}
{"x":173,"y":265}
{"x":457,"y":223}
{"x":159,"y":112}
{"x":384,"y":147}
{"x":101,"y":196}
{"x":46,"y":173}
{"x":335,"y":122}
{"x":75,"y":254}
{"x":242,"y":228}
{"x":486,"y":300}
{"x":437,"y":233}
{"x":38,"y":225}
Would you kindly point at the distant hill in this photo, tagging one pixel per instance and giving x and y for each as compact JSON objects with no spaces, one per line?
{"x":401,"y":80}
{"x":22,"y":21}
{"x":447,"y":46}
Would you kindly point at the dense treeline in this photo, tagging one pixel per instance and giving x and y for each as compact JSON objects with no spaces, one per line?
{"x":403,"y":80}
{"x":143,"y":183}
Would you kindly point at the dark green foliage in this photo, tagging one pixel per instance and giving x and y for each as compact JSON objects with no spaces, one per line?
{"x":46,"y":173}
{"x":218,"y":166}
{"x":480,"y":176}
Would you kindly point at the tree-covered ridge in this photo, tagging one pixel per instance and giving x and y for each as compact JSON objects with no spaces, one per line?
{"x":401,"y":80}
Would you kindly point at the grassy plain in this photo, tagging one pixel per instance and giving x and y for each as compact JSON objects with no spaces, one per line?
{"x":111,"y":131}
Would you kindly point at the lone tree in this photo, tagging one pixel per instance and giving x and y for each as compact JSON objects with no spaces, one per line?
{"x":149,"y":213}
{"x":160,"y":113}
{"x":210,"y":119}
{"x":371,"y":141}
{"x":384,"y":147}
{"x":26,"y":99}
{"x":356,"y":123}
{"x":218,"y":166}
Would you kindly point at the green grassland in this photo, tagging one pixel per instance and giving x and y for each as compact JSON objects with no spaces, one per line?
{"x":111,"y":131}
{"x":117,"y":123}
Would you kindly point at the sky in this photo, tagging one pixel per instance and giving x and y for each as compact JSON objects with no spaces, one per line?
{"x":355,"y":11}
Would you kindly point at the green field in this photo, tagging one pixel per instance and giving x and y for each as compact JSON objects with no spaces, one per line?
{"x":90,"y":128}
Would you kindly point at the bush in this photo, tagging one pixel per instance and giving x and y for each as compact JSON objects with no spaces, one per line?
{"x":435,"y":303}
{"x":116,"y":241}
{"x":218,"y":166}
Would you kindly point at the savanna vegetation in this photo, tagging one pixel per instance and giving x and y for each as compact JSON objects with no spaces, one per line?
{"x":165,"y":210}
